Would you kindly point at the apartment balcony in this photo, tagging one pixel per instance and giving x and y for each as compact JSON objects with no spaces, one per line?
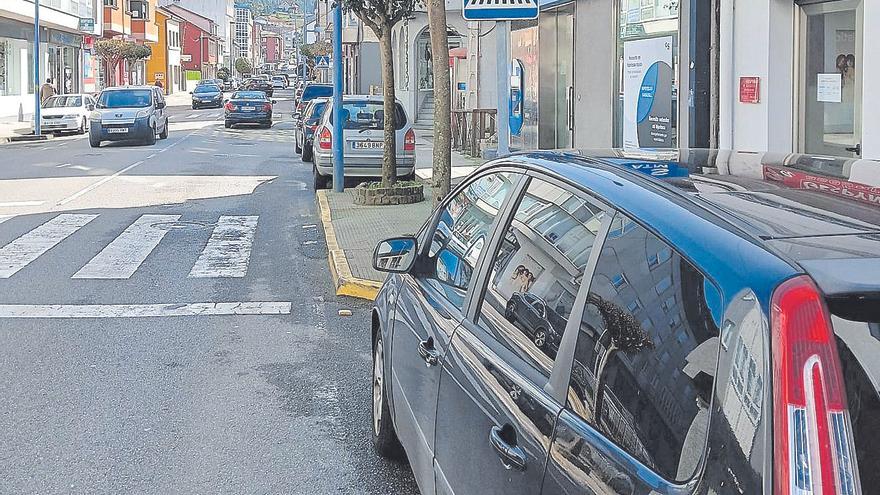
{"x":143,"y":23}
{"x":117,"y":20}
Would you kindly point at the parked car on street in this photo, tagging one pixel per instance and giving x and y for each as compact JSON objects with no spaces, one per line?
{"x":68,"y":112}
{"x":537,"y":321}
{"x":305,"y":125}
{"x":258,"y":84}
{"x":125,"y":113}
{"x":363,"y":132}
{"x":312,"y":90}
{"x":278,"y":82}
{"x":719,"y":316}
{"x":248,"y":107}
{"x":207,"y":95}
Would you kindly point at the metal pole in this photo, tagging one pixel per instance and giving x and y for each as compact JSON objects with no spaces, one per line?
{"x":338,"y":139}
{"x":302,"y":43}
{"x":502,"y":65}
{"x":37,"y":67}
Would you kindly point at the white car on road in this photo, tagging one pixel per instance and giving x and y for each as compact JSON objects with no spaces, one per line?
{"x":66,"y":113}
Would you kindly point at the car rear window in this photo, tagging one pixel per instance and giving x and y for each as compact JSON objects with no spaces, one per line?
{"x":249,"y":95}
{"x":317,"y":110}
{"x":368,"y":115}
{"x":134,"y":98}
{"x":317,"y":91}
{"x":207,"y":88}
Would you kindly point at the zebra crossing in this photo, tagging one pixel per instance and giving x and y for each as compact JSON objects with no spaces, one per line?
{"x":225,"y":254}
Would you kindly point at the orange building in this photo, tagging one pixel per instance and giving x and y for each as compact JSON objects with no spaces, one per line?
{"x":157,"y":65}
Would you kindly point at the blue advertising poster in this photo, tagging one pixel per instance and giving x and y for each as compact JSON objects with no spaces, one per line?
{"x":647,"y":93}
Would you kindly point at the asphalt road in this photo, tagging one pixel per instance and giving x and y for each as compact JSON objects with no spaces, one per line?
{"x":127,"y":365}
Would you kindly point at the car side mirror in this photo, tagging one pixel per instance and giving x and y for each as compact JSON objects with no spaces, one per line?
{"x":395,"y":255}
{"x":160,"y":104}
{"x":90,"y":107}
{"x":274,"y":102}
{"x":190,"y":92}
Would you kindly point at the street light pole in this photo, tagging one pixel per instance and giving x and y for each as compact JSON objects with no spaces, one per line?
{"x":338,"y":138}
{"x":37,"y":67}
{"x":302,"y":43}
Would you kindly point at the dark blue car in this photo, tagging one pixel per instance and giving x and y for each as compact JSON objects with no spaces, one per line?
{"x":248,"y":107}
{"x":718,"y":321}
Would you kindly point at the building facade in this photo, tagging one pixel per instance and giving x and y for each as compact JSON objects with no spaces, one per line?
{"x":164,"y":65}
{"x":222,"y":12}
{"x":64,"y":50}
{"x":243,"y":30}
{"x":199,"y":46}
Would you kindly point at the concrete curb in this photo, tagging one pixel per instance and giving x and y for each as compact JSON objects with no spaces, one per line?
{"x":346,"y":284}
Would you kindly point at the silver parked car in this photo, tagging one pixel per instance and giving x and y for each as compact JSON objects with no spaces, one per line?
{"x":129,"y":113}
{"x":363,"y":121}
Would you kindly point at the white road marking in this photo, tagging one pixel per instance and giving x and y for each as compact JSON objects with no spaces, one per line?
{"x":22,"y":251}
{"x":81,"y":167}
{"x":97,"y":184}
{"x":192,"y":115}
{"x":143,"y":310}
{"x":62,"y":165}
{"x":12,"y":204}
{"x":228,"y":250}
{"x":122,"y":257}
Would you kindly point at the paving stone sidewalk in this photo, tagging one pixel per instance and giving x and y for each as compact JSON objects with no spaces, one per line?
{"x":360,"y":228}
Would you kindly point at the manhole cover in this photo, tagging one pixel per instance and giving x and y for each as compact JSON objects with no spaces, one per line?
{"x":179,"y":225}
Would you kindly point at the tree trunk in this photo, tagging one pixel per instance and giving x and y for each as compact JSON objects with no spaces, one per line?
{"x":389,"y":157}
{"x":442,"y":163}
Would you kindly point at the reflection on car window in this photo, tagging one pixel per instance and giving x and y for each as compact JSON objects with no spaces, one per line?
{"x":646,"y":352}
{"x":462,"y":232}
{"x":62,"y":101}
{"x":136,"y":98}
{"x":537,"y":272}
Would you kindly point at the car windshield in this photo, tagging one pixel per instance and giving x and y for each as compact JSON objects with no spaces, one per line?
{"x":62,"y":101}
{"x":129,"y":98}
{"x":249,"y":95}
{"x":368,"y":115}
{"x":316,"y":91}
{"x":207,"y":88}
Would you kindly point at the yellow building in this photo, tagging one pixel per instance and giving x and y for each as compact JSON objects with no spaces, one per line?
{"x":157,"y":65}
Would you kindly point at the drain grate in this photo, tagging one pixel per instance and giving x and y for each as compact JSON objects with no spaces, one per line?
{"x":181,"y":225}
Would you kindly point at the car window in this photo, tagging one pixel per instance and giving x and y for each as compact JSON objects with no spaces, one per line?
{"x":135,"y":98}
{"x":62,"y":101}
{"x":360,"y":115}
{"x":532,"y":268}
{"x":646,"y":352}
{"x":462,"y":231}
{"x":207,"y":88}
{"x":317,"y":110}
{"x":249,"y":95}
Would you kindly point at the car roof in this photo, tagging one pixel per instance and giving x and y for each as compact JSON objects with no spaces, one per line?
{"x":722,"y":205}
{"x":125,"y":88}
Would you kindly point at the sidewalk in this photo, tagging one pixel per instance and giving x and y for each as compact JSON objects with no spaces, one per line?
{"x":352,"y":232}
{"x":11,"y":127}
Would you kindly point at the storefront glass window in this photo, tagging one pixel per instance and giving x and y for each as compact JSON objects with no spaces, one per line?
{"x":831,"y":86}
{"x":647,"y":74}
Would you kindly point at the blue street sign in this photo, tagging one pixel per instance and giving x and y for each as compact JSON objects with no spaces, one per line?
{"x":499,"y":10}
{"x":322,"y":62}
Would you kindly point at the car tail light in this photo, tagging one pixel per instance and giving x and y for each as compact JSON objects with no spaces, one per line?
{"x":409,"y":141}
{"x":267,"y":107}
{"x":229,"y":106}
{"x":325,"y":139}
{"x":813,"y":449}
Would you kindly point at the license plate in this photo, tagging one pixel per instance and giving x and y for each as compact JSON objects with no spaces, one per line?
{"x":368,"y":145}
{"x":248,"y":109}
{"x":117,"y":130}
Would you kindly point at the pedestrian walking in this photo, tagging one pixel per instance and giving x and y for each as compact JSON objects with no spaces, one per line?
{"x":47,"y":90}
{"x":158,"y":84}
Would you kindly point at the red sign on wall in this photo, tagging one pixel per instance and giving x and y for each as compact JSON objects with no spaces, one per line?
{"x":750,"y":90}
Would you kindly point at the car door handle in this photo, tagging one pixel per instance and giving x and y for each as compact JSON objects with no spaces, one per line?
{"x":512,"y":456}
{"x":428,"y":353}
{"x":857,"y":149}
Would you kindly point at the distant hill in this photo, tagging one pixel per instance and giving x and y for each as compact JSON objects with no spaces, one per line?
{"x":264,"y":7}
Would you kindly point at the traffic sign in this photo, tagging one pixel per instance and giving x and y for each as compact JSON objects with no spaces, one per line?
{"x":322,"y":62}
{"x":499,"y":10}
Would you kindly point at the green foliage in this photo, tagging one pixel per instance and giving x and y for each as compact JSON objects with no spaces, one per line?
{"x":243,"y":66}
{"x":380,"y":15}
{"x":316,"y":49}
{"x":224,"y":73}
{"x":115,"y":50}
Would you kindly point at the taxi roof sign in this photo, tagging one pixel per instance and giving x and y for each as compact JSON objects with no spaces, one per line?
{"x":499,"y":10}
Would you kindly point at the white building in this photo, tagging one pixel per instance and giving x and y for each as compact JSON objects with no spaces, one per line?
{"x":221,"y":12}
{"x":243,"y":29}
{"x":62,"y":54}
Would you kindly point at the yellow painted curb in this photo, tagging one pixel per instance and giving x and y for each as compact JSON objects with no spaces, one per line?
{"x":346,"y":284}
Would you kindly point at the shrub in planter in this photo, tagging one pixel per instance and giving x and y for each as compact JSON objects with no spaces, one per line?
{"x":401,"y":193}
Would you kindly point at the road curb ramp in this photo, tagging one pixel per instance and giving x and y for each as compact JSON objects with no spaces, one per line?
{"x":346,"y":284}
